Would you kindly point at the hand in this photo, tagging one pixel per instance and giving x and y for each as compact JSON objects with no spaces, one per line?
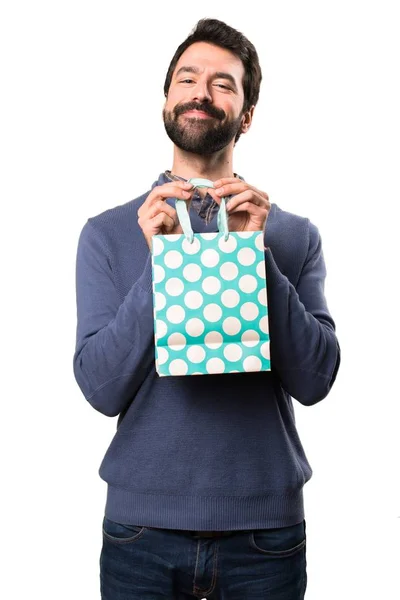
{"x":248,"y":209}
{"x":158,"y":217}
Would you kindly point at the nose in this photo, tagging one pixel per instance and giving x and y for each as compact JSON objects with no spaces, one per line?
{"x":201,"y":92}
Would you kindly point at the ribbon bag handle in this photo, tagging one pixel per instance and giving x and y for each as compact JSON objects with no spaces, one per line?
{"x":183,"y":214}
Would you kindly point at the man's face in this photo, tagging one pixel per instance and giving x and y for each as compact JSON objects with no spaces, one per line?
{"x":203,"y":110}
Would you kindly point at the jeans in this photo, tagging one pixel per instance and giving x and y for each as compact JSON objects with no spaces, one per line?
{"x":151,"y":564}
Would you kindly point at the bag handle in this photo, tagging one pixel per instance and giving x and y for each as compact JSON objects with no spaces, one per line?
{"x":183,"y":214}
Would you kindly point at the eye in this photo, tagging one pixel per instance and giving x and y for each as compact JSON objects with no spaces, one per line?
{"x":186,"y":81}
{"x":221,"y":85}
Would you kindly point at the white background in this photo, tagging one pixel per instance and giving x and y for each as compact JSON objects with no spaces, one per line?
{"x":81,"y":131}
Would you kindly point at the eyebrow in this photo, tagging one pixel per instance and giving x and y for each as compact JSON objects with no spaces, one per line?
{"x":218,"y":75}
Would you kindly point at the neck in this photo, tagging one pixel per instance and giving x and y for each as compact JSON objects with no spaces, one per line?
{"x":213,"y":167}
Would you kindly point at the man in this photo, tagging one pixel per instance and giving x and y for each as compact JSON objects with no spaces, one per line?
{"x":205,"y":474}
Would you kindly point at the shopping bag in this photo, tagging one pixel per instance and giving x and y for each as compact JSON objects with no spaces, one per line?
{"x":210,"y":299}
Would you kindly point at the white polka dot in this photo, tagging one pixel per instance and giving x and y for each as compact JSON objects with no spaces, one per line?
{"x":260,"y":242}
{"x":178,"y":367}
{"x":210,"y":258}
{"x":234,"y":371}
{"x":262,"y":296}
{"x":209,"y":236}
{"x":174,"y":286}
{"x":263,"y":324}
{"x":161,"y":328}
{"x":192,"y":272}
{"x":250,"y":338}
{"x":173,"y":237}
{"x":191,"y":248}
{"x":233,"y":352}
{"x":261,"y":269}
{"x":194,"y":327}
{"x":157,"y":245}
{"x":249,"y":311}
{"x":213,"y":340}
{"x":173,"y":259}
{"x":246,"y":256}
{"x":175,"y":314}
{"x":162,"y":355}
{"x":265,"y":350}
{"x":248,"y":284}
{"x":197,"y":373}
{"x":158,"y":274}
{"x":215,"y":365}
{"x":212,"y":313}
{"x":252,"y":363}
{"x":229,"y":245}
{"x":211,"y":285}
{"x":229,"y":271}
{"x":231,"y":326}
{"x":230,"y":298}
{"x":245,"y":235}
{"x":193,"y":300}
{"x":160,"y":301}
{"x":196,"y":354}
{"x":176,"y":341}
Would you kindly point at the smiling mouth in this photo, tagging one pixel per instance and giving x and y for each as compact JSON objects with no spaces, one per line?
{"x":197,"y":114}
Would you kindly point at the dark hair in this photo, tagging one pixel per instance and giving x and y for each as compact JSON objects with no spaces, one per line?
{"x":218,"y":33}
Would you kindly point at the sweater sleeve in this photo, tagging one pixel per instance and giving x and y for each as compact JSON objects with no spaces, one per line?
{"x":305,"y":353}
{"x":114,"y":341}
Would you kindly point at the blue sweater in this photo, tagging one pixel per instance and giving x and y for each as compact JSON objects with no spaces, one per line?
{"x":201,"y":453}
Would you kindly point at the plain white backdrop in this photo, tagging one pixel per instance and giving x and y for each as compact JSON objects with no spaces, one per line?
{"x":81,"y":131}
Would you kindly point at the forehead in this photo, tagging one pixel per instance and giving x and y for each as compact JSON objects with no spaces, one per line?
{"x":208,"y":57}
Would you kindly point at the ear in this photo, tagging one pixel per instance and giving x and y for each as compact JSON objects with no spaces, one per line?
{"x":165,"y":99}
{"x":247,"y":119}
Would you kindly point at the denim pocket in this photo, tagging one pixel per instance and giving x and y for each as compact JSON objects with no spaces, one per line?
{"x":279,"y":543}
{"x":120,"y":533}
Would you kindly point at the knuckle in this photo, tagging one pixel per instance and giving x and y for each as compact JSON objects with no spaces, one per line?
{"x":151,"y":196}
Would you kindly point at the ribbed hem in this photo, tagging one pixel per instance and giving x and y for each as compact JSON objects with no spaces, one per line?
{"x":204,"y":513}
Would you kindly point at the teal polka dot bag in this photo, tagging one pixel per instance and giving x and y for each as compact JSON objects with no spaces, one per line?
{"x":210,"y":299}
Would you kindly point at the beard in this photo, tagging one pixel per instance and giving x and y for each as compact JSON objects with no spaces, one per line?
{"x":201,"y":136}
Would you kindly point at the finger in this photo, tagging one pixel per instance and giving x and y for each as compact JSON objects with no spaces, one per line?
{"x":159,"y":222}
{"x":248,"y":196}
{"x":225,"y":180}
{"x":157,"y":207}
{"x":250,"y":208}
{"x":173,"y":189}
{"x":163,"y":192}
{"x":234,"y":185}
{"x":229,"y":189}
{"x":214,"y":196}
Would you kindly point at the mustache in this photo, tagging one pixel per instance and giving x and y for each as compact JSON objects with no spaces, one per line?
{"x":210,"y":110}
